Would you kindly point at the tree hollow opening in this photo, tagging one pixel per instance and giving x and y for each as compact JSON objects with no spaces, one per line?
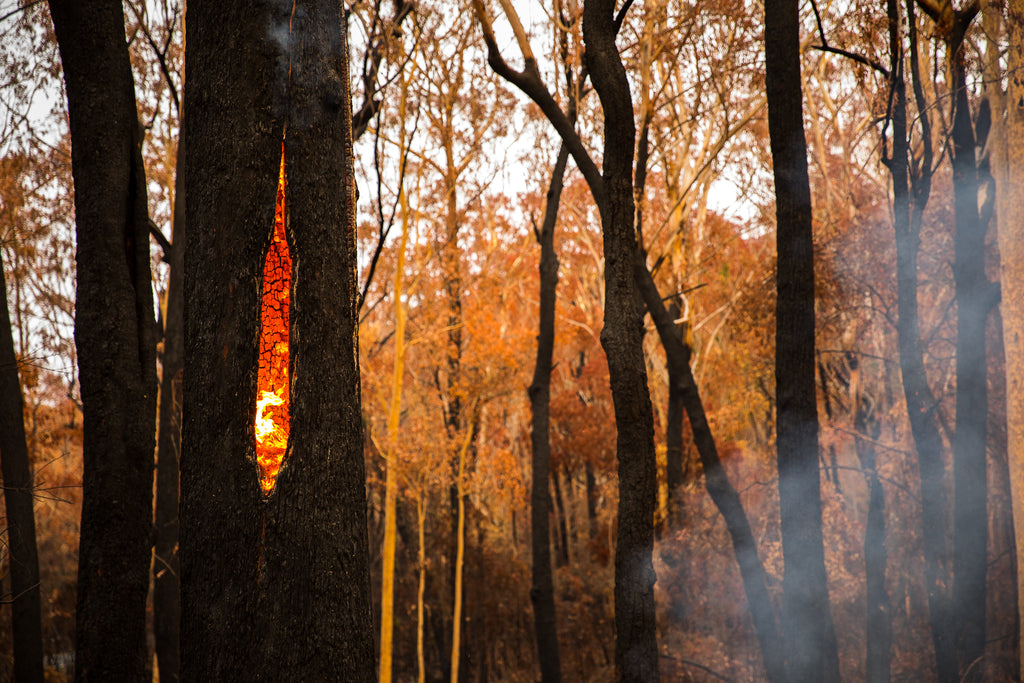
{"x":273,"y":414}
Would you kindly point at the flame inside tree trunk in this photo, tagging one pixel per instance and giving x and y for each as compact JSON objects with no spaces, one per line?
{"x":272,"y":402}
{"x":275,"y":586}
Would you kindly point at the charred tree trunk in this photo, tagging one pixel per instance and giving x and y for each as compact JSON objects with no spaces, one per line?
{"x":591,"y":487}
{"x":274,"y":585}
{"x":561,"y":518}
{"x":921,"y":403}
{"x":636,"y":651}
{"x":879,"y":621}
{"x":721,"y":490}
{"x":684,"y":397}
{"x":674,"y":468}
{"x":975,"y":297}
{"x":166,"y":567}
{"x":115,"y":336}
{"x":878,"y":654}
{"x":810,"y":642}
{"x":542,"y":592}
{"x":26,"y":610}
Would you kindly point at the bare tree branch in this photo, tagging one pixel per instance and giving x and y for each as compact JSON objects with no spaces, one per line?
{"x":161,"y":53}
{"x":529,"y":82}
{"x":860,"y":59}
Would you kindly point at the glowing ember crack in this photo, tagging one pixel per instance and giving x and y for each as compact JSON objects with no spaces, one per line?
{"x":273,"y":405}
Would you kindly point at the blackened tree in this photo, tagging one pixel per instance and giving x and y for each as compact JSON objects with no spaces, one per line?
{"x":115,"y":337}
{"x":811,"y":649}
{"x":636,"y":653}
{"x":975,"y":297}
{"x":273,"y":584}
{"x":26,"y":616}
{"x":542,"y":591}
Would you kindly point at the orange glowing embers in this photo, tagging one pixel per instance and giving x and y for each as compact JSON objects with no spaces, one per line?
{"x":272,"y":403}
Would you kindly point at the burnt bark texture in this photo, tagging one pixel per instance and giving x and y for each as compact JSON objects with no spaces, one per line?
{"x":115,"y":335}
{"x":810,"y":642}
{"x":274,"y":587}
{"x":26,"y":615}
{"x":636,"y":651}
{"x":542,"y":592}
{"x":166,"y":565}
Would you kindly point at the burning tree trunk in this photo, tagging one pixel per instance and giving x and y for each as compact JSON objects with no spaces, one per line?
{"x":275,"y":573}
{"x":26,"y":616}
{"x":115,"y":336}
{"x":811,"y":650}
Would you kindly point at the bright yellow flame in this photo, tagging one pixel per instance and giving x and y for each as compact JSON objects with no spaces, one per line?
{"x":265,"y":426}
{"x":272,"y":385}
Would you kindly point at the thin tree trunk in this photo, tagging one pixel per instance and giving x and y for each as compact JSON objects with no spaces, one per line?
{"x":421,"y":587}
{"x":387,"y":603}
{"x":166,"y":567}
{"x":974,"y":300}
{"x":878,"y":656}
{"x":591,"y":499}
{"x":460,"y":551}
{"x":636,"y":650}
{"x":810,"y":641}
{"x":557,"y":500}
{"x":878,"y":653}
{"x":26,"y":610}
{"x":921,"y":403}
{"x":542,"y":592}
{"x":116,"y":340}
{"x":454,"y":388}
{"x":674,"y":470}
